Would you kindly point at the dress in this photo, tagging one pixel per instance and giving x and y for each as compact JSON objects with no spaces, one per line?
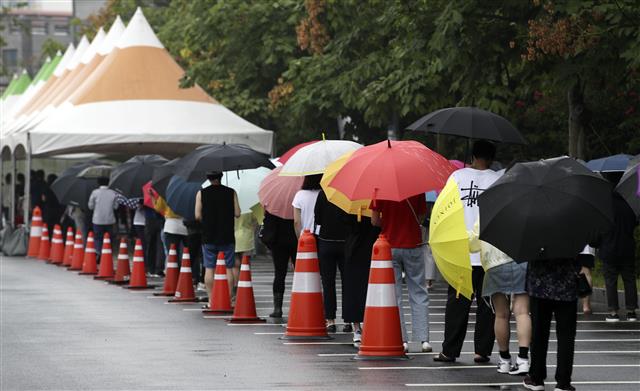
{"x":244,"y":232}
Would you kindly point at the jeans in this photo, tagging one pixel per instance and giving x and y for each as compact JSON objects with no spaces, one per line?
{"x":330,"y":256}
{"x":628,"y":272}
{"x":98,"y":232}
{"x":566,"y":314}
{"x":411,"y":260}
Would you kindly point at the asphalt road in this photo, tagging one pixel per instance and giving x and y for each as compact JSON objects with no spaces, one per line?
{"x":62,"y":331}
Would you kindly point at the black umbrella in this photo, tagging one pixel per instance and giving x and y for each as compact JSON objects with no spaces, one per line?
{"x":226,"y":157}
{"x":469,"y":122}
{"x":162,"y":175}
{"x":73,"y":190}
{"x":129,"y":177}
{"x":628,"y":187}
{"x":181,"y":197}
{"x":546,"y":209}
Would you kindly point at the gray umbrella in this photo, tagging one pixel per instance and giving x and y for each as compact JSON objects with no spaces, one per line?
{"x":129,"y":177}
{"x":628,"y":187}
{"x":469,"y":122}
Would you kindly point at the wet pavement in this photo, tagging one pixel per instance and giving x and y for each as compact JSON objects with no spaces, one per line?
{"x":62,"y":331}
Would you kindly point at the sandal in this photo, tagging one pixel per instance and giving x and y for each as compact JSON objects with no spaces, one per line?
{"x":442,"y":358}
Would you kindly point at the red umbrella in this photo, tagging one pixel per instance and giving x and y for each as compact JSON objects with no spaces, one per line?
{"x":392,"y":170}
{"x":285,"y":156}
{"x":276,"y":193}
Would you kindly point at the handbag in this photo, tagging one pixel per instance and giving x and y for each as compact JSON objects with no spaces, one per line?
{"x":584,"y":288}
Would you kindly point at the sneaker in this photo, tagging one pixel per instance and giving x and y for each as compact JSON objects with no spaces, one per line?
{"x":426,"y":347}
{"x":357,"y":336}
{"x":565,"y":388}
{"x":201,"y":287}
{"x":612,"y":318}
{"x":531,"y":385}
{"x":331,"y":328}
{"x":631,"y":316}
{"x":442,"y":358}
{"x":504,"y":365}
{"x":405,"y":346}
{"x":521,"y":367}
{"x":347,"y":328}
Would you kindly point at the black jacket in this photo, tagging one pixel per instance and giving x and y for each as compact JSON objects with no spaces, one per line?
{"x":618,"y":244}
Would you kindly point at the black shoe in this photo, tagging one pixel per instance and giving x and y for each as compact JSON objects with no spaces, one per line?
{"x":442,"y":358}
{"x":160,"y":274}
{"x":480,"y":359}
{"x":331,"y":328}
{"x":529,"y":384}
{"x":564,"y":388}
{"x":612,"y":318}
{"x":347,"y":328}
{"x":631,"y":316}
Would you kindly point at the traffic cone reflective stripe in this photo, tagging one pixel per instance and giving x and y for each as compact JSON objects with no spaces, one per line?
{"x":45,"y":247}
{"x":123,"y":270}
{"x":78,"y":253}
{"x":138,"y":276}
{"x":35,"y":233}
{"x":220,"y":301}
{"x":68,"y":248}
{"x":57,"y":246}
{"x":306,"y":312}
{"x":106,"y":260}
{"x":245,"y":310}
{"x":184,"y":291}
{"x":89,"y":265}
{"x":381,"y":333}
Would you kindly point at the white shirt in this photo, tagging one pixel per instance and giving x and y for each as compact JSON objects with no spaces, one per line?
{"x":471,"y":183}
{"x":305,"y":200}
{"x":102,"y":202}
{"x":139,"y":217}
{"x":175,"y":226}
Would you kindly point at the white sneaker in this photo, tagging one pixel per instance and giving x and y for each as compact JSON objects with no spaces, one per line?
{"x":357,"y":336}
{"x":504,"y":365}
{"x":406,"y":346}
{"x":201,"y":287}
{"x":426,"y":347}
{"x":521,"y":367}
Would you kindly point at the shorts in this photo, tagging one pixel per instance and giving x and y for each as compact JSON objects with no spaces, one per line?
{"x":210,"y":254}
{"x":508,"y":279}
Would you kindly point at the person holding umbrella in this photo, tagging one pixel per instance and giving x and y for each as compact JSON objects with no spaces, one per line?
{"x":103,"y":201}
{"x":471,"y":182}
{"x":216,"y":207}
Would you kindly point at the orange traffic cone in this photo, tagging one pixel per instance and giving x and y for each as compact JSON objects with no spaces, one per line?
{"x":45,"y":248}
{"x":123,"y":271}
{"x":57,"y":246}
{"x":138,"y":276}
{"x":381,"y":334}
{"x":89,"y":262}
{"x":78,"y":253}
{"x":184,"y":291}
{"x":106,"y":260}
{"x":306,"y":313}
{"x":68,"y":249}
{"x":35,"y":234}
{"x":245,"y":310}
{"x":170,"y":273}
{"x":219,"y":300}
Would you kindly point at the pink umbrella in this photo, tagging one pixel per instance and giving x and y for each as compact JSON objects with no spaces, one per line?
{"x":276,"y":193}
{"x":457,"y":164}
{"x":149,"y":195}
{"x":285,"y":156}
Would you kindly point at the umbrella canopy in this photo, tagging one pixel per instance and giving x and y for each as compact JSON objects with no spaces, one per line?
{"x":610,"y":163}
{"x":546,"y":209}
{"x":358,"y":207}
{"x":97,"y":171}
{"x":629,"y":187}
{"x":162,"y":175}
{"x":276,"y":193}
{"x":314,"y":158}
{"x":287,"y":155}
{"x":469,"y":122}
{"x":449,"y":240}
{"x":181,"y":197}
{"x":129,"y":177}
{"x":220,"y":157}
{"x":73,"y":190}
{"x":392,"y":170}
{"x":246,"y":183}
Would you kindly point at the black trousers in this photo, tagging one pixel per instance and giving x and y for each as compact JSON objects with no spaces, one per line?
{"x":153,"y":250}
{"x":355,"y":282}
{"x":566,"y":314}
{"x":281,"y":253}
{"x":331,"y":257}
{"x":194,"y":242}
{"x":627,"y":270}
{"x":456,"y":319}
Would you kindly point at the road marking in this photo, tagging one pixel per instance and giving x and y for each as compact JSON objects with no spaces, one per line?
{"x":466,"y":341}
{"x":613,"y":382}
{"x":471,"y":331}
{"x":473,"y":353}
{"x":256,"y":324}
{"x":493,"y":367}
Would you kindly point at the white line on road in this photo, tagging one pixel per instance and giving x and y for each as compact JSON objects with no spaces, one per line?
{"x":613,"y":382}
{"x":493,"y":367}
{"x":468,"y":341}
{"x":473,"y":353}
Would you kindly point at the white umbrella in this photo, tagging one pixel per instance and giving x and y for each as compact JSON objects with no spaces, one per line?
{"x":314,"y":158}
{"x":246,"y":184}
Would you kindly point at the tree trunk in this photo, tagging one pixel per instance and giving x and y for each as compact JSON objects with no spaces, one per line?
{"x":393,"y":131}
{"x":576,"y":120}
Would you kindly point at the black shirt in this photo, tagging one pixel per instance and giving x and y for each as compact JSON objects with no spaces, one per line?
{"x":618,"y":246}
{"x":330,"y":218}
{"x":218,"y":215}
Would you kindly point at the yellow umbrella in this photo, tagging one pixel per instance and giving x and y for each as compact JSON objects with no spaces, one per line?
{"x":358,"y":207}
{"x":449,"y":240}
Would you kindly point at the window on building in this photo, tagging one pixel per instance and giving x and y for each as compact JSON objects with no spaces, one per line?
{"x":61,"y":29}
{"x":10,"y":58}
{"x":38,"y":28}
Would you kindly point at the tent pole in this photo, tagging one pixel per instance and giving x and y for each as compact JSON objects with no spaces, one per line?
{"x":14,"y":181}
{"x":27,"y":183}
{"x":2,"y":190}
